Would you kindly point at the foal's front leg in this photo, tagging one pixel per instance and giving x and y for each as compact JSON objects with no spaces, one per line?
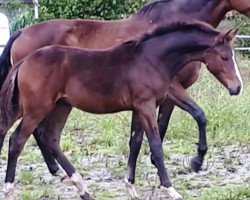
{"x":147,"y":116}
{"x":135,"y":142}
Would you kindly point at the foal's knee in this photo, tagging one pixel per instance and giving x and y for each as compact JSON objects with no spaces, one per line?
{"x":200,"y":117}
{"x":156,"y":152}
{"x":53,"y":147}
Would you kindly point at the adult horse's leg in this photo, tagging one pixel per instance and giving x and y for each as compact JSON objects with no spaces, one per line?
{"x":164,"y":114}
{"x":179,"y":96}
{"x":186,"y":77}
{"x":51,"y":140}
{"x":147,"y":115}
{"x":48,"y":157}
{"x":135,"y":142}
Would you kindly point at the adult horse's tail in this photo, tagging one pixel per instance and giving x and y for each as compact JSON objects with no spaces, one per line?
{"x":9,"y":103}
{"x":5,"y":59}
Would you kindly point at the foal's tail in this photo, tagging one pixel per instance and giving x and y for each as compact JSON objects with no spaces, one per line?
{"x":5,"y":59}
{"x":9,"y":103}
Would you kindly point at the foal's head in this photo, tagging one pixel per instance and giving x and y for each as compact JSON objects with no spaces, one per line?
{"x":220,"y":61}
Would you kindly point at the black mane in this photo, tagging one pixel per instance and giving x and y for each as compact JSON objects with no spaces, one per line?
{"x":172,"y":27}
{"x":148,"y":7}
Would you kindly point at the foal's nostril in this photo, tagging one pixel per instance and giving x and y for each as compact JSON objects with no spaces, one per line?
{"x":238,"y":89}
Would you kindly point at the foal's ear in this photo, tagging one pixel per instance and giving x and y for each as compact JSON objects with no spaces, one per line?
{"x":228,"y":37}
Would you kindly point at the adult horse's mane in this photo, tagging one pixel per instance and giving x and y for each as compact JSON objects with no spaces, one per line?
{"x":172,"y":27}
{"x":145,"y":9}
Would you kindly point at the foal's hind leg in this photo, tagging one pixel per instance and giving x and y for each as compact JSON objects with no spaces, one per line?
{"x":16,"y":144}
{"x":2,"y":136}
{"x":4,"y":130}
{"x":180,"y":97}
{"x":51,"y":140}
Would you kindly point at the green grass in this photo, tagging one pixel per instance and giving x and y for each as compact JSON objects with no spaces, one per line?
{"x":33,"y":193}
{"x":227,"y":193}
{"x":27,"y":177}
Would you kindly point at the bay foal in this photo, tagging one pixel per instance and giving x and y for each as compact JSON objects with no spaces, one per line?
{"x":96,"y":34}
{"x":135,"y":76}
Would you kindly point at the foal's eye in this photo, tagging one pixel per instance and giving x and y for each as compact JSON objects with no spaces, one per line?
{"x":225,"y":58}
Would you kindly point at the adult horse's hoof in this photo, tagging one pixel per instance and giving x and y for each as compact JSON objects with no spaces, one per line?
{"x":196,"y":164}
{"x":86,"y":196}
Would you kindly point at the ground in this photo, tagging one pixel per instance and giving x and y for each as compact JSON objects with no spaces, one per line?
{"x":98,"y":147}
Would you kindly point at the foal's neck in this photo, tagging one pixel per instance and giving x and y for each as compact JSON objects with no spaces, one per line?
{"x":177,"y":49}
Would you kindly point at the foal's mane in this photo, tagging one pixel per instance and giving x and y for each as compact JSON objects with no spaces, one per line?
{"x":148,"y":7}
{"x":173,"y":27}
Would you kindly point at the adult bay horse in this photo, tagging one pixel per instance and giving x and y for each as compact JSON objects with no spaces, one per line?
{"x":103,"y":34}
{"x":135,"y":75}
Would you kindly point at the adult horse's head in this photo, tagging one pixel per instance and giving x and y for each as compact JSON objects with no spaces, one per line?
{"x":242,"y":6}
{"x":221,"y":63}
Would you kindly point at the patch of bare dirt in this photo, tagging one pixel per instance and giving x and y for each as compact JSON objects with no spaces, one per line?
{"x":104,"y":175}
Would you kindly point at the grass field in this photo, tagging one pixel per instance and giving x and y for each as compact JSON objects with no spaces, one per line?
{"x":98,"y":147}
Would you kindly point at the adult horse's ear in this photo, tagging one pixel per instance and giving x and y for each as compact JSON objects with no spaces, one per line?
{"x":228,"y":37}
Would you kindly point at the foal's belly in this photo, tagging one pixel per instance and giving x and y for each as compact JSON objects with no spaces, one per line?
{"x":98,"y":103}
{"x":101,"y":106}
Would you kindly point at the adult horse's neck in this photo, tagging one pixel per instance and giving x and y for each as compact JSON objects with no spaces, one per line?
{"x":211,"y":11}
{"x":171,"y":53}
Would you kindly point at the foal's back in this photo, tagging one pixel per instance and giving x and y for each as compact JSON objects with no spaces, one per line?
{"x":94,"y":81}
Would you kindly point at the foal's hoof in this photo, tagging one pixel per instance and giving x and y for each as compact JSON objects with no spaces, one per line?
{"x":196,"y":164}
{"x":86,"y":196}
{"x":66,"y":180}
{"x":131,"y":189}
{"x":60,"y":173}
{"x":9,"y":191}
{"x":173,"y":193}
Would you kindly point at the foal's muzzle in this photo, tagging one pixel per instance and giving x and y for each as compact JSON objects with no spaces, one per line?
{"x":234,"y":91}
